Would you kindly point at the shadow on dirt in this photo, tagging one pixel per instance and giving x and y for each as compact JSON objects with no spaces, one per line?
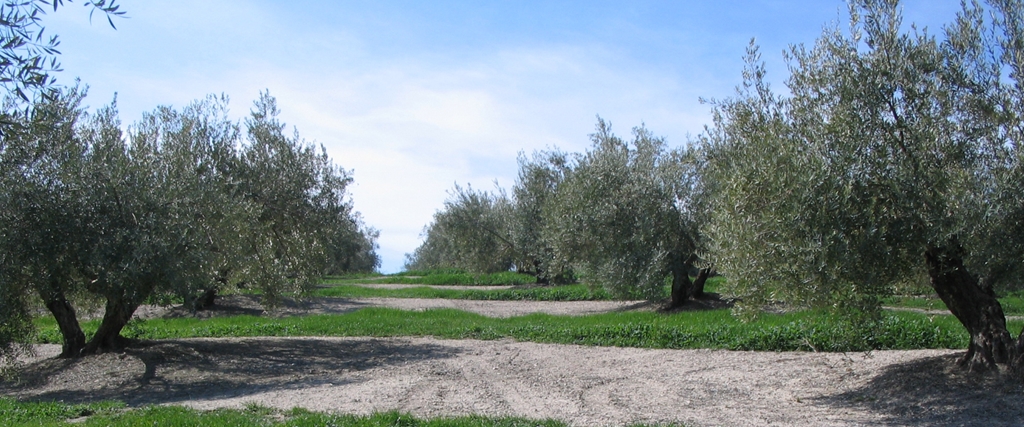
{"x":709,"y":301}
{"x":174,"y":371}
{"x":935,"y":392}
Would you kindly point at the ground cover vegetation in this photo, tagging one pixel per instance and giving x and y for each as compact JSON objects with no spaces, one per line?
{"x":116,"y":414}
{"x":798,"y":331}
{"x":181,"y":205}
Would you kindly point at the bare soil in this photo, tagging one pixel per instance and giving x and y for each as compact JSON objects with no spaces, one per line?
{"x":249,"y":304}
{"x":584,"y":386}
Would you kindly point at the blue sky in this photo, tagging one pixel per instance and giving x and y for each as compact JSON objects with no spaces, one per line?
{"x":415,"y":97}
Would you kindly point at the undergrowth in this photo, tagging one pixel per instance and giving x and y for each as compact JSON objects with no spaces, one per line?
{"x":14,"y":413}
{"x":805,"y":331}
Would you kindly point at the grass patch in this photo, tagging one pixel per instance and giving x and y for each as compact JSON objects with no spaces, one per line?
{"x":115,"y":414}
{"x":439,"y":277}
{"x":540,"y":293}
{"x":14,"y":413}
{"x":808,"y":331}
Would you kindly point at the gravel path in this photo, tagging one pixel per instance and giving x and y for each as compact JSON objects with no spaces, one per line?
{"x":584,"y":386}
{"x":453,"y":287}
{"x":249,"y":304}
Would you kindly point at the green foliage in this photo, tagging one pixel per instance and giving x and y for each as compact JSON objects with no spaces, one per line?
{"x":533,"y":193}
{"x":487,"y":232}
{"x":891,"y":144}
{"x":179,"y":204}
{"x":470,"y":233}
{"x":622,"y":215}
{"x":27,"y":57}
{"x":16,"y":413}
{"x":807,"y":331}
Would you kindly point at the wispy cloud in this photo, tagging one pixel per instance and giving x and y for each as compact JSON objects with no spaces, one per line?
{"x":415,"y":98}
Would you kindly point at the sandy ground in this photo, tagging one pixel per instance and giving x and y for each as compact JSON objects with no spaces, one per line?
{"x":453,"y":287}
{"x":584,"y":386}
{"x":249,"y":304}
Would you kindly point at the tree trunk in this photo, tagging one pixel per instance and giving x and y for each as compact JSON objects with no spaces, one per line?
{"x":108,"y":337}
{"x":974,"y":305}
{"x":682,"y":287}
{"x":698,"y":283}
{"x":67,"y":321}
{"x":204,"y":301}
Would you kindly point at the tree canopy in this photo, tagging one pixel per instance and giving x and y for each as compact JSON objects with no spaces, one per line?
{"x":896,"y":156}
{"x":623,"y":217}
{"x":180,"y":205}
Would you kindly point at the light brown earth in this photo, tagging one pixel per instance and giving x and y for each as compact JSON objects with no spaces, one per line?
{"x":584,"y":386}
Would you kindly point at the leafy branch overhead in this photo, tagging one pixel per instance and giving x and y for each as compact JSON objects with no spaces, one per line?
{"x":28,"y":54}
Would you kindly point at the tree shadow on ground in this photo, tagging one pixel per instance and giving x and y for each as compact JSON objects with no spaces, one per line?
{"x":708,"y":301}
{"x":175,"y":371}
{"x":935,"y":392}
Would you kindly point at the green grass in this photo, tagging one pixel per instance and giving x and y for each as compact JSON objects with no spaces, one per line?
{"x":439,"y":277}
{"x":540,"y":293}
{"x":813,"y":331}
{"x":14,"y":413}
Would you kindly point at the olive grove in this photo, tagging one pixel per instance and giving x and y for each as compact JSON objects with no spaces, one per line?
{"x":181,"y":205}
{"x":624,"y":214}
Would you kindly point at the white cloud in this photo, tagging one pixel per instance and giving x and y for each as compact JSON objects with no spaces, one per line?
{"x":410,"y":126}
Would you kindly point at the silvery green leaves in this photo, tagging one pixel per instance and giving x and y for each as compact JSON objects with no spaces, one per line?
{"x":889,"y":159}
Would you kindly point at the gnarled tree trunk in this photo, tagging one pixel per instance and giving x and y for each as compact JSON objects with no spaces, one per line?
{"x":119,"y":311}
{"x":698,"y":283}
{"x":67,"y":321}
{"x":974,"y":305}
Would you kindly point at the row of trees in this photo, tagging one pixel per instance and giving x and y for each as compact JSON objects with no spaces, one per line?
{"x":620,"y":214}
{"x":181,"y":205}
{"x":895,"y":156}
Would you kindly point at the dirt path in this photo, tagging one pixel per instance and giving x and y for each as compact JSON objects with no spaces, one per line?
{"x":249,"y":304}
{"x":453,"y":287}
{"x":585,"y":386}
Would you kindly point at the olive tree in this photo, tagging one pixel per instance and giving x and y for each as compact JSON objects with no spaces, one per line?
{"x":299,"y":211}
{"x":471,"y":232}
{"x":41,"y":229}
{"x":180,"y":205}
{"x":896,"y":155}
{"x":533,"y":193}
{"x":623,"y":217}
{"x":28,"y":56}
